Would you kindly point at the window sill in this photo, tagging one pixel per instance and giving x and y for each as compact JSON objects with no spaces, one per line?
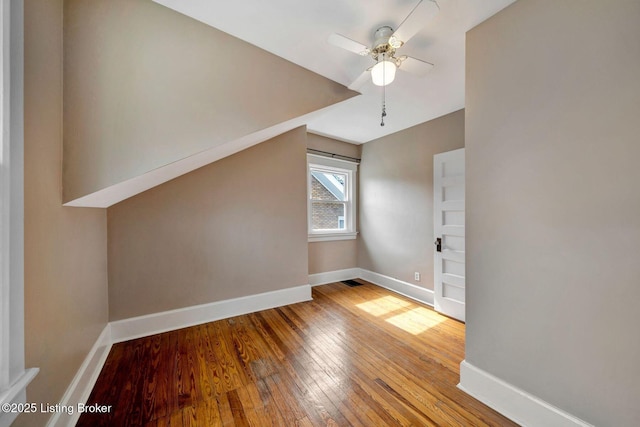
{"x":327,"y":237}
{"x":15,"y":394}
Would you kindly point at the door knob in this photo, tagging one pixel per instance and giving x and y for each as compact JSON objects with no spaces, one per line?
{"x":438,"y":244}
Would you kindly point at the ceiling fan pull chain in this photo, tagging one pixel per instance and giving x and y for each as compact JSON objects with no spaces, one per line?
{"x":384,"y":91}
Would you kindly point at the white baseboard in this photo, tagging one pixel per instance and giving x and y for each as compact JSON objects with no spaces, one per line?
{"x":82,"y":384}
{"x":142,"y":326}
{"x":417,"y":293}
{"x":512,"y":402}
{"x":334,"y":276}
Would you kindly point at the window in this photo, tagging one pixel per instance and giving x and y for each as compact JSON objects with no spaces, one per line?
{"x":13,"y":377}
{"x":331,"y":198}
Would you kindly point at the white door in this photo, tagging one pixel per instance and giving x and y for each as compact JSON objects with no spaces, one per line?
{"x":448,"y":226}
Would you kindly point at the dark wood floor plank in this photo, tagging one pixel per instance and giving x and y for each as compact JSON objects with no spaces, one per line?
{"x":152,"y":378}
{"x":239,"y":416}
{"x":208,"y":414}
{"x":187,"y":369}
{"x":174,"y":419}
{"x":224,"y":409}
{"x":211,"y":366}
{"x":128,"y":406}
{"x":207,"y":388}
{"x":223,"y":352}
{"x":354,"y":356}
{"x":167,"y":398}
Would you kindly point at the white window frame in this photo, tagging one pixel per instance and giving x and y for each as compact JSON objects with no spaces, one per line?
{"x":345,"y":167}
{"x":13,"y":377}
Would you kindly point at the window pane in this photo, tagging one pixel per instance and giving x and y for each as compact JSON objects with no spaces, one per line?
{"x":327,"y":216}
{"x":328,"y":186}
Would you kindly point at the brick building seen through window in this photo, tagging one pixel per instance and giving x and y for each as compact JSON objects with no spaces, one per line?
{"x":327,"y":212}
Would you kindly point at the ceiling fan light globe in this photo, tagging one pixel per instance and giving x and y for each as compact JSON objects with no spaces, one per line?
{"x":383,"y":73}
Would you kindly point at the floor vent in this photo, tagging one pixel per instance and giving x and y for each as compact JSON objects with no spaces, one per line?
{"x":351,"y":283}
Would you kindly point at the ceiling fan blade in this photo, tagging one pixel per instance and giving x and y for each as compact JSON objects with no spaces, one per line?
{"x":416,"y":20}
{"x":416,"y":66}
{"x":361,"y":80}
{"x":348,"y":44}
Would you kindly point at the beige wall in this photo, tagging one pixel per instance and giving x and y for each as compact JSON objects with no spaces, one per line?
{"x":553,"y":212}
{"x":65,"y":248}
{"x":332,"y":256}
{"x":341,"y":254}
{"x":396,"y":198}
{"x":146,"y":86}
{"x":234,"y":228}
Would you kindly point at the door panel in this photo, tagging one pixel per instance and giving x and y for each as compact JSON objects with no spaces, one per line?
{"x":449,"y":226}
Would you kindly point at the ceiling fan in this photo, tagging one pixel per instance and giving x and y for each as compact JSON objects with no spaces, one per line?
{"x":383,"y":50}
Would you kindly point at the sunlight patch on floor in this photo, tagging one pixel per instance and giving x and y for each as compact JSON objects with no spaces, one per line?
{"x":384,"y":305}
{"x":416,"y":321}
{"x":403,"y":314}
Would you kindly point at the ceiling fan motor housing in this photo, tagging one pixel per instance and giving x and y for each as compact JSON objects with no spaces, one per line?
{"x":381,"y":44}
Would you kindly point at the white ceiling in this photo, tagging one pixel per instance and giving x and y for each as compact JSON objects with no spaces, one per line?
{"x":298,"y":30}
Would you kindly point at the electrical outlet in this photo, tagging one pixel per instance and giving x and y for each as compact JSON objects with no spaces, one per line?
{"x":416,"y":276}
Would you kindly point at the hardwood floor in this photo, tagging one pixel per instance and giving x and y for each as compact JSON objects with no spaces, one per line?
{"x":354,"y":356}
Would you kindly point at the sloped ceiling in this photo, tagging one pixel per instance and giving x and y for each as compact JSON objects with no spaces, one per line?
{"x":150,"y":94}
{"x":298,"y":31}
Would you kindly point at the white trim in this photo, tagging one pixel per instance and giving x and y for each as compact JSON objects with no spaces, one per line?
{"x":5,"y":192}
{"x":512,"y":402}
{"x":417,"y":293}
{"x":120,"y":191}
{"x":136,"y":327}
{"x":344,"y":167}
{"x":84,"y":380}
{"x":13,"y":377}
{"x":5,"y":195}
{"x":326,"y":237}
{"x":16,"y":394}
{"x":333,"y":276}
